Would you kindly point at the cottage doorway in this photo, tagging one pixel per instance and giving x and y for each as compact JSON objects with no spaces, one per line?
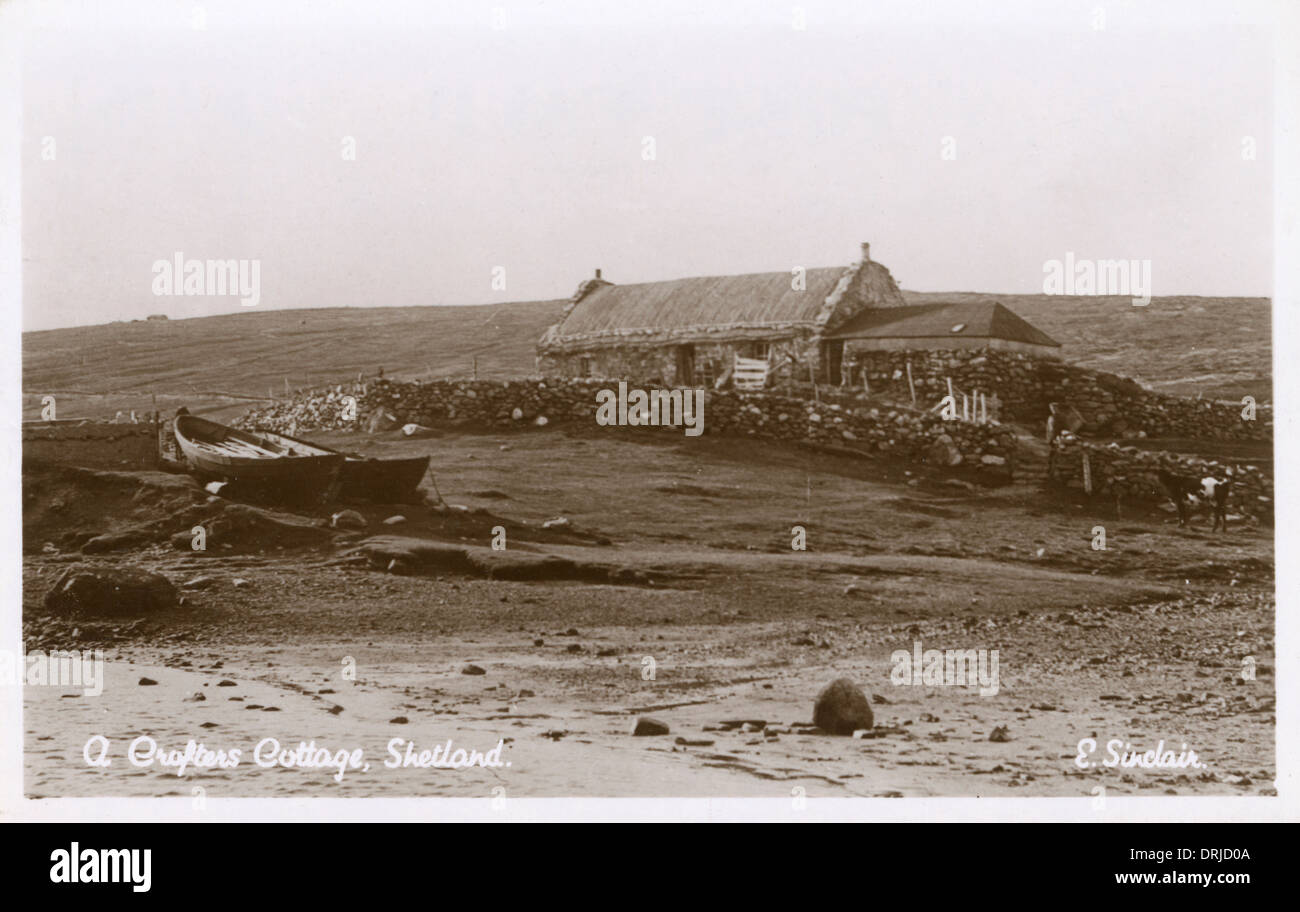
{"x":685,"y":365}
{"x":835,"y":361}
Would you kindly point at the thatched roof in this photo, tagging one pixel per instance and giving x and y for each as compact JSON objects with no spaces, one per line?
{"x":758,"y":306}
{"x":716,"y":307}
{"x":976,"y":319}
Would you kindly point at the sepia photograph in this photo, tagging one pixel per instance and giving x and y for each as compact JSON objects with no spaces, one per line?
{"x":790,"y":405}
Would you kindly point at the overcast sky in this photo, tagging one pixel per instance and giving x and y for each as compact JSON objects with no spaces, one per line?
{"x":524,"y":148}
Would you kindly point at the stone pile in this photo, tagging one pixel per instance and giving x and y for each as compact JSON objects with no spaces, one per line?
{"x":328,"y":408}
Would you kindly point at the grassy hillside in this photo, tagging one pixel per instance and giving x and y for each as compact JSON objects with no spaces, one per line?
{"x":1218,"y":347}
{"x":207,"y":362}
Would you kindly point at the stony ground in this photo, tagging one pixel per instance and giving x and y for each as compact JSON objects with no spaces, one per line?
{"x":721,"y":625}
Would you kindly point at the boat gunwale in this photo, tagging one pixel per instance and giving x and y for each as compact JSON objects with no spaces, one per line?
{"x":351,"y":457}
{"x":210,"y":456}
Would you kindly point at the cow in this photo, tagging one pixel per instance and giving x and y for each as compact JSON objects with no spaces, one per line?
{"x":1187,"y":493}
{"x":1216,"y":491}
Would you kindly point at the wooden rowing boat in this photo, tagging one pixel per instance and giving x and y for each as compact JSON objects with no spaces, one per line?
{"x":223,"y":453}
{"x":365,"y":477}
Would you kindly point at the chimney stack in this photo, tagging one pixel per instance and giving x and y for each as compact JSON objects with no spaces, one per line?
{"x":866,"y":252}
{"x":598,"y":273}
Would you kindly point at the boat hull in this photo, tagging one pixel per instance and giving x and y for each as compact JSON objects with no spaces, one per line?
{"x":216,"y":452}
{"x":383,"y":480}
{"x":365,"y":478}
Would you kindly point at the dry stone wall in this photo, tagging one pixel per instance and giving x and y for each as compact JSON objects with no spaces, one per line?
{"x":1110,"y":405}
{"x":863,"y":426}
{"x":1131,"y":473}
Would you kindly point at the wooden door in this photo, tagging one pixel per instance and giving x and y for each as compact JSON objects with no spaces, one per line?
{"x":685,"y":365}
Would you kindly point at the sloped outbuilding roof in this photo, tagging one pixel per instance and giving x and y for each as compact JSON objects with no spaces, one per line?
{"x":965,"y":320}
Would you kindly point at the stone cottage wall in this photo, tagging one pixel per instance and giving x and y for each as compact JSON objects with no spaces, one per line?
{"x":643,"y":364}
{"x":648,"y":365}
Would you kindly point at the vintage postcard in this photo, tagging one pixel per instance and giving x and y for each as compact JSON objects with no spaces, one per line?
{"x":783,"y":406}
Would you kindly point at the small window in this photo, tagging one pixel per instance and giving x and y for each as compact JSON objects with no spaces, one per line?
{"x":584,"y":367}
{"x":759,"y":350}
{"x":958,"y":328}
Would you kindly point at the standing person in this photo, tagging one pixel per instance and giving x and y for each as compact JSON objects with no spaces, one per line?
{"x":1053,"y":431}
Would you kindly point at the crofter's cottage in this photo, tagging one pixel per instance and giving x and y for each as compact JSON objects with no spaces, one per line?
{"x":688,"y":332}
{"x":796,"y":325}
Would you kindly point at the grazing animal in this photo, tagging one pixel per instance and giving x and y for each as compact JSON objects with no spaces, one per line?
{"x":1215,"y":491}
{"x":1180,"y":490}
{"x":1187,"y":493}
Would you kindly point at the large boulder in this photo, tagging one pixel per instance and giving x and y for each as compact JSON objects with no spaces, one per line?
{"x":943,"y":452}
{"x":110,"y":592}
{"x":648,"y":726}
{"x":842,"y":708}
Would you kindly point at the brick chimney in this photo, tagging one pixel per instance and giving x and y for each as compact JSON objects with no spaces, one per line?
{"x":598,"y":273}
{"x":866,"y":252}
